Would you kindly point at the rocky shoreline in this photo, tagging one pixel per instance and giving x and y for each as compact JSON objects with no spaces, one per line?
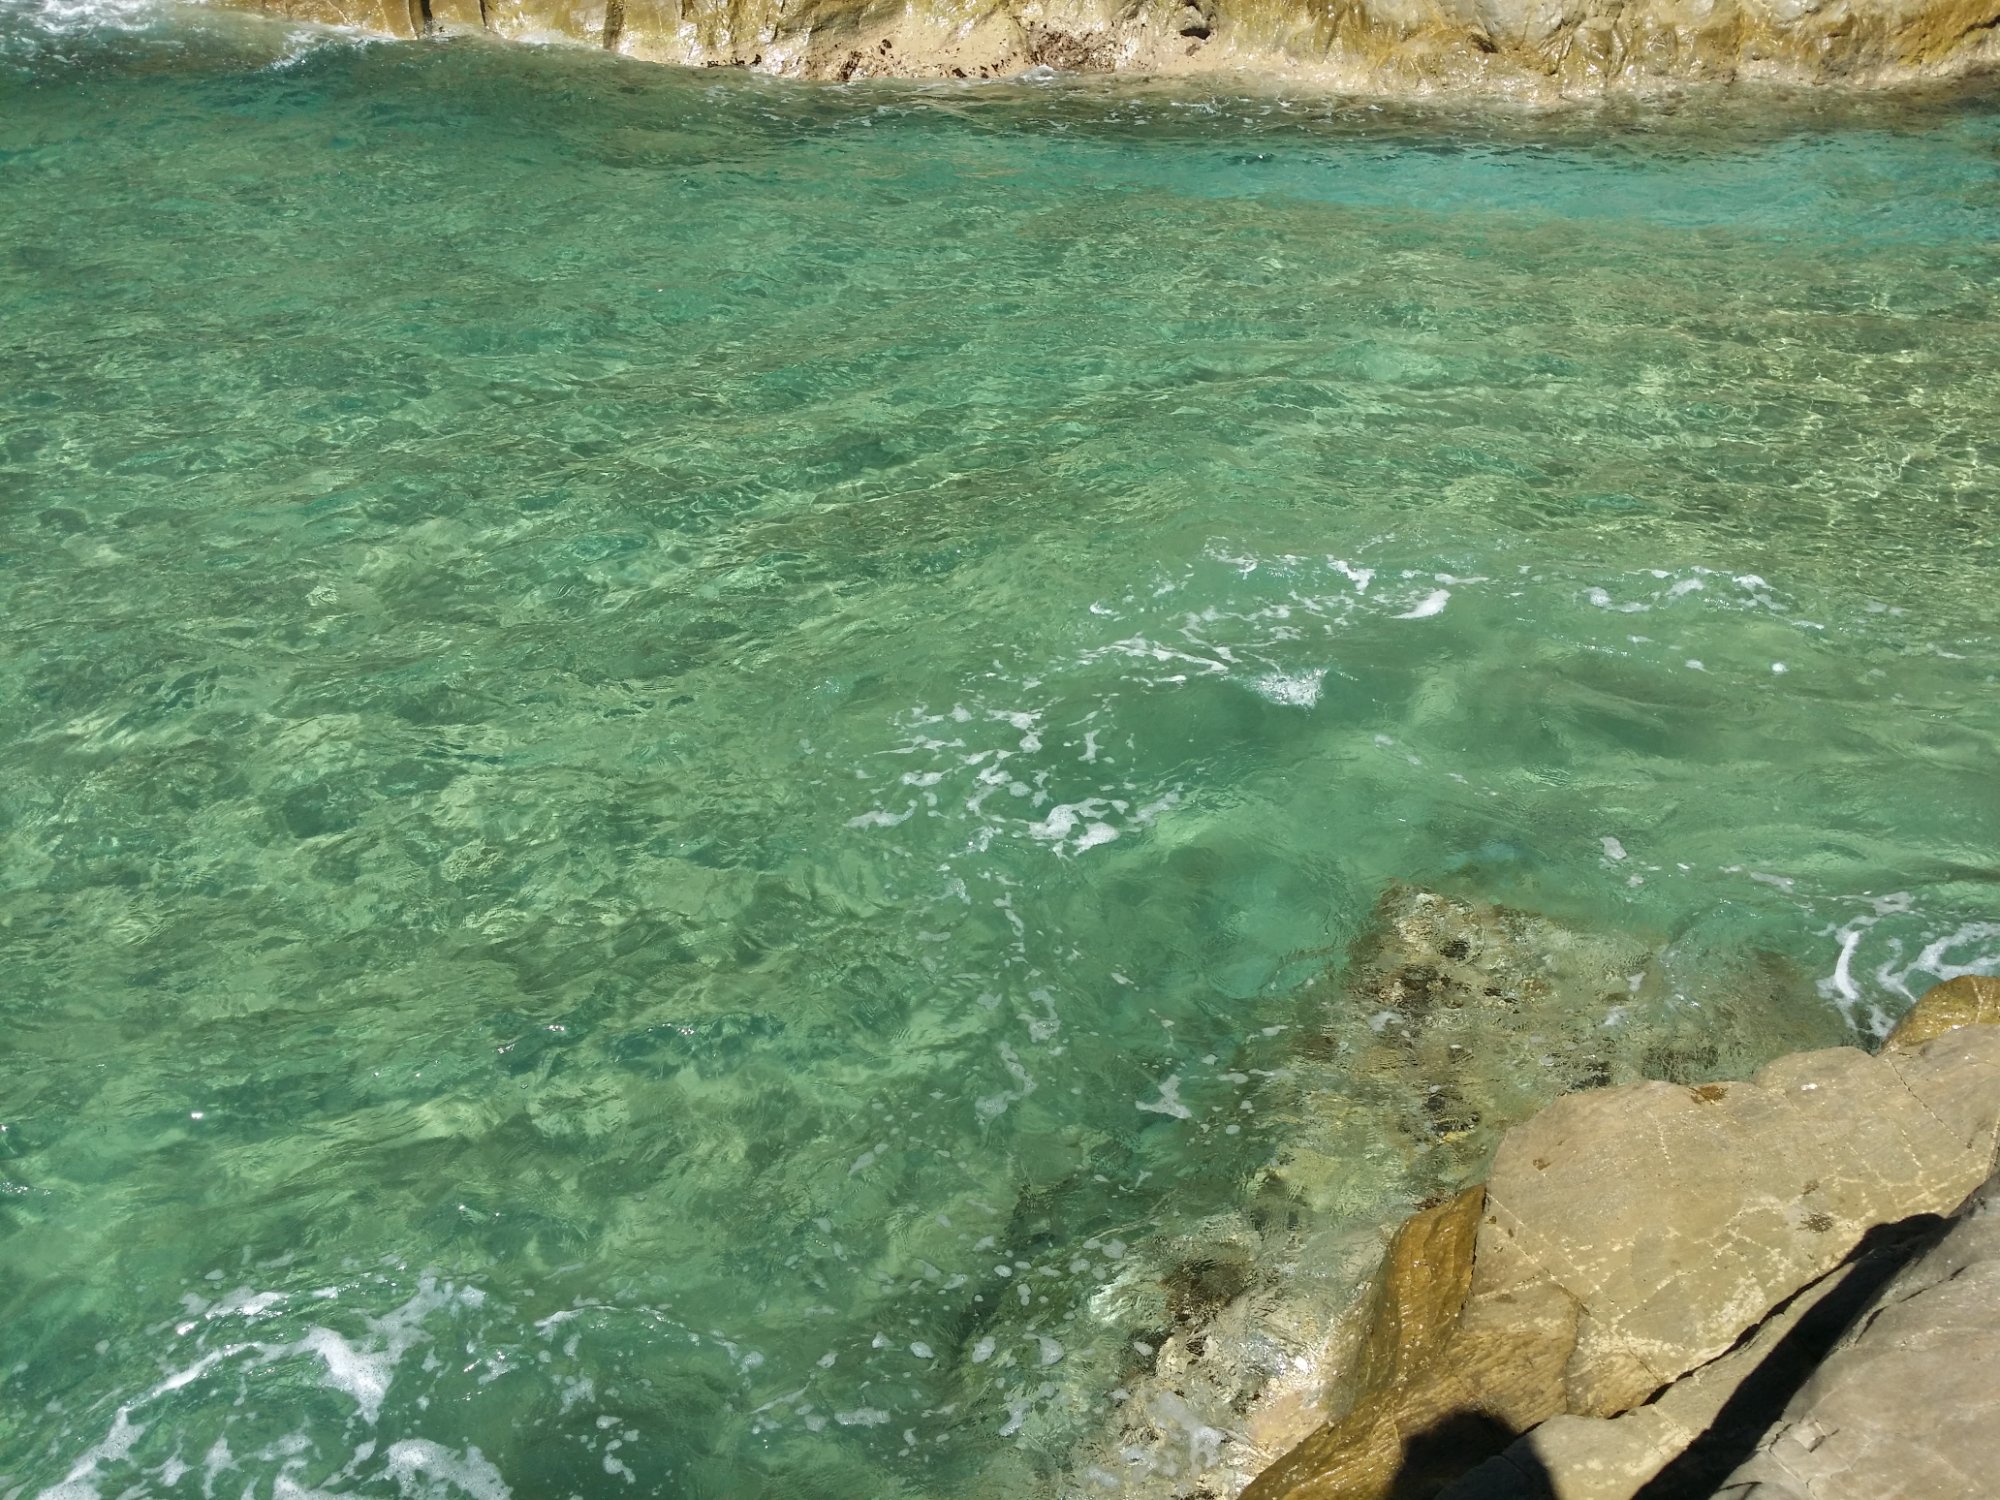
{"x":1446,"y":1021}
{"x":1659,"y":1256}
{"x":1529,"y":49}
{"x":1781,"y":1289}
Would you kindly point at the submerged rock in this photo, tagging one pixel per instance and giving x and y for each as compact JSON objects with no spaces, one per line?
{"x":1635,"y":1234}
{"x":1456,"y":1019}
{"x":1388,"y":46}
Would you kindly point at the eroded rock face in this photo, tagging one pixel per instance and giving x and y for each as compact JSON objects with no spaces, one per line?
{"x":1390,"y":46}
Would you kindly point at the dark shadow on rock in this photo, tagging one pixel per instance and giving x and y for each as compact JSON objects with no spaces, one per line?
{"x":1474,"y":1457}
{"x":1766,"y":1391}
{"x":1446,"y":1450}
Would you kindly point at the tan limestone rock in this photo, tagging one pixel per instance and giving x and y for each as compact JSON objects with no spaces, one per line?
{"x":1615,"y":1458}
{"x":1634,"y":1234}
{"x":1677,"y":1218}
{"x":1507,"y":1357}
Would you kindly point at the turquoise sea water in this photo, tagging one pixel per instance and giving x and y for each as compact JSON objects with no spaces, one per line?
{"x":671,"y":745}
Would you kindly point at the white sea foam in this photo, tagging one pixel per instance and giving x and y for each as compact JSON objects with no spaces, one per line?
{"x":1082,"y":819}
{"x":109,"y":1449}
{"x":69,"y":17}
{"x":1936,"y":958}
{"x":1432,"y":603}
{"x":1359,"y":577}
{"x":880,"y":819}
{"x":1972,"y":948}
{"x":423,"y":1470}
{"x":363,"y":1375}
{"x":1603,"y":600}
{"x":1293,"y":690}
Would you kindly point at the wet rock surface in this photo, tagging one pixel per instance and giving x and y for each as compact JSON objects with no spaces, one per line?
{"x":1381,"y":46}
{"x":1402,"y":1375}
{"x":1969,"y":1000}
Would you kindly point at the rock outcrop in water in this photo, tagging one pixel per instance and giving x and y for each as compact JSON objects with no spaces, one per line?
{"x":1652,"y":1270}
{"x":1525,"y":47}
{"x":1461,"y":1018}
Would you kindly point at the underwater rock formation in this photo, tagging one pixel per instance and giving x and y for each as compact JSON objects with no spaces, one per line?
{"x":1642,"y":1256}
{"x":1523,"y":47}
{"x":1461,"y":1018}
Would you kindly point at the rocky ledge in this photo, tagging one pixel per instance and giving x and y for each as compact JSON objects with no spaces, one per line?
{"x":1530,"y":48}
{"x":1782,"y":1289}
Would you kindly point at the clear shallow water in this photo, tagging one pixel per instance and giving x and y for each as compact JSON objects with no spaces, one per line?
{"x":644,"y":711}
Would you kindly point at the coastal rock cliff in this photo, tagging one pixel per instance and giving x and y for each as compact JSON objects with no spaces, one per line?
{"x":1524,"y":47}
